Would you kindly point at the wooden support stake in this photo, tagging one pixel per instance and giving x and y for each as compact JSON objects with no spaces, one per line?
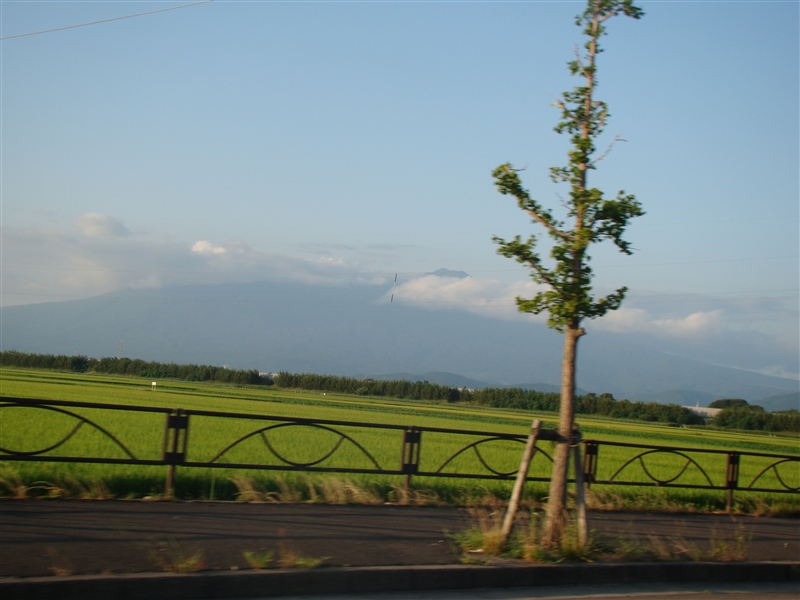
{"x":176,"y":422}
{"x":522,"y":475}
{"x":583,"y":526}
{"x":170,"y":484}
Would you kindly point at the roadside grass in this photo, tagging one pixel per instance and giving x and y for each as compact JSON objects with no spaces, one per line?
{"x":28,"y":429}
{"x":482,"y":542}
{"x":270,"y":487}
{"x":290,"y":558}
{"x":60,"y":566}
{"x":173,"y":557}
{"x":258,"y":560}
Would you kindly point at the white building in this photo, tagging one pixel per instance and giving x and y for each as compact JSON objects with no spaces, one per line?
{"x":705,"y":412}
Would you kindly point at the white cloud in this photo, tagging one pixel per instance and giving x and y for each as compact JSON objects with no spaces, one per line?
{"x":496,"y":299}
{"x":777,"y":371}
{"x":329,"y":260}
{"x":698,"y":323}
{"x":206,"y":247}
{"x":49,"y":265}
{"x":96,"y":224}
{"x":483,"y":296}
{"x":630,"y":320}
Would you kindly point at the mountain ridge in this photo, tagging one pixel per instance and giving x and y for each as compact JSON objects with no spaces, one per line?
{"x":353,"y":329}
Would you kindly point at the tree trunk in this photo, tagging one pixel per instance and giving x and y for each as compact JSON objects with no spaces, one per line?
{"x":556,"y":502}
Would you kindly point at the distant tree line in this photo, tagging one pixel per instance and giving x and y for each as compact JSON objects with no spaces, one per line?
{"x":416,"y":390}
{"x":131,"y":366}
{"x":728,"y":403}
{"x":738,"y":414}
{"x":589,"y":404}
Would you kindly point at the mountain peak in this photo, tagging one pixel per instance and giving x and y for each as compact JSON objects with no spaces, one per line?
{"x":449,"y":273}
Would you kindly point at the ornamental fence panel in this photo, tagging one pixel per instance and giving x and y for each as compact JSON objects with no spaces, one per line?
{"x":84,"y":432}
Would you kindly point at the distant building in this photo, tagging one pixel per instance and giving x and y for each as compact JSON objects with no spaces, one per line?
{"x":702,"y":411}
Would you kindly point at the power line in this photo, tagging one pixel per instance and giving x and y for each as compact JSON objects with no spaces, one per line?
{"x":142,"y":14}
{"x":151,"y":12}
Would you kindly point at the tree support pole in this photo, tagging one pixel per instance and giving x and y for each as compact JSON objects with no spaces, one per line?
{"x":732,"y":477}
{"x":580,"y":497}
{"x":173,"y":451}
{"x":522,"y":475}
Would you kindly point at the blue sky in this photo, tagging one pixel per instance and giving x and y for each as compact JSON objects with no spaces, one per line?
{"x":344,"y":141}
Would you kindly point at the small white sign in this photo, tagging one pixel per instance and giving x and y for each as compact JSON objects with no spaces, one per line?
{"x":153,"y":386}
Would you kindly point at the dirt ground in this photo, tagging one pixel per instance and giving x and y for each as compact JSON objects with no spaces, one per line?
{"x":44,"y":537}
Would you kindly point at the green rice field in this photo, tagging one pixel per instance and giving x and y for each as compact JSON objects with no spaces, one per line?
{"x":28,"y":429}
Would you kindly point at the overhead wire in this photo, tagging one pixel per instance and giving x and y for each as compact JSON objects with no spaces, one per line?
{"x":109,"y":20}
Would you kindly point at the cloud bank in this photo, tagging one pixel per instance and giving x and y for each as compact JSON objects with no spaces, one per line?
{"x":753,"y":333}
{"x":94,"y":224}
{"x":99,"y":254}
{"x":102,"y":255}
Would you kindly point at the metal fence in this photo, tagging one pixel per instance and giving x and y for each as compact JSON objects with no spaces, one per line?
{"x":82,"y":433}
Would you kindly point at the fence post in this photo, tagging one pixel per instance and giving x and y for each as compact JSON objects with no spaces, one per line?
{"x":409,"y":455}
{"x":176,"y":422}
{"x":590,"y":462}
{"x":580,"y":498}
{"x":522,"y":475}
{"x":732,"y":477}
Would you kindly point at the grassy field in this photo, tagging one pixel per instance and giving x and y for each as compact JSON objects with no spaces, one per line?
{"x":30,"y":429}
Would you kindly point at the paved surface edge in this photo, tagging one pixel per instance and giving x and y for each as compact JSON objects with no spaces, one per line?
{"x":344,"y":580}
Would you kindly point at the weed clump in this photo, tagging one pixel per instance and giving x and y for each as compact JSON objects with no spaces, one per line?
{"x":290,"y":558}
{"x":483,"y":541}
{"x":258,"y":560}
{"x":174,"y":558}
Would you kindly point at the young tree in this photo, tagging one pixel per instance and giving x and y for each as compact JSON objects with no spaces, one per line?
{"x":568,"y":298}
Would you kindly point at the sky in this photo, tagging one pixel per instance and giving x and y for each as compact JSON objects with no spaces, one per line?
{"x":351,"y":141}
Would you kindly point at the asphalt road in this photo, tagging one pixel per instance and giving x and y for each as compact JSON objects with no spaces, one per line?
{"x":729,"y":591}
{"x":43,"y":537}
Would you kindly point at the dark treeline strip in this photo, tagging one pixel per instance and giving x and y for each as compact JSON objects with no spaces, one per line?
{"x":755,"y":418}
{"x":129,"y":366}
{"x":418,"y":390}
{"x":590,"y":404}
{"x":745,"y":417}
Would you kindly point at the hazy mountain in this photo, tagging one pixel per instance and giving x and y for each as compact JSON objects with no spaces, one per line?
{"x":353,"y":329}
{"x":544,"y":387}
{"x":680,"y":397}
{"x":781,"y":402}
{"x":449,"y":273}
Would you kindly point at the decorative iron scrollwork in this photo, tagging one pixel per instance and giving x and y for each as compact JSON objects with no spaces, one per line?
{"x":774,"y":468}
{"x":261,"y":433}
{"x":81,"y":422}
{"x":474,"y":446}
{"x":640,"y":458}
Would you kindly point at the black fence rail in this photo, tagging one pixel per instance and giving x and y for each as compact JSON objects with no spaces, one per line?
{"x":83,"y":432}
{"x":681,"y":467}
